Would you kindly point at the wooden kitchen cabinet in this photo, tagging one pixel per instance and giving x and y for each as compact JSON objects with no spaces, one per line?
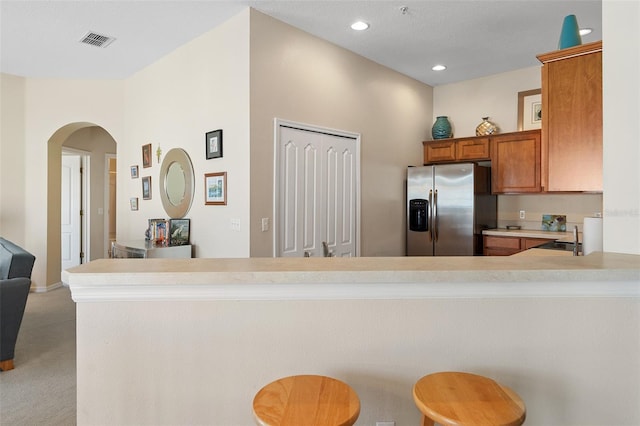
{"x":460,"y":149}
{"x":506,"y":246}
{"x":572,"y":118}
{"x":516,"y":162}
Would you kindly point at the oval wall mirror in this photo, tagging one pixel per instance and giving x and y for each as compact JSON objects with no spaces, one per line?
{"x":176,"y":183}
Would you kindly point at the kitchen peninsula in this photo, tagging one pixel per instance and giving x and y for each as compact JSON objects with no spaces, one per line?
{"x":191,"y":340}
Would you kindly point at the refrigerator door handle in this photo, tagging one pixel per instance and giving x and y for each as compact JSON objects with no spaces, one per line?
{"x":435,"y":216}
{"x":430,"y":215}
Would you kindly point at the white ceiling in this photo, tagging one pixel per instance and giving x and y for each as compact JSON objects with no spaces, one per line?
{"x":474,"y":38}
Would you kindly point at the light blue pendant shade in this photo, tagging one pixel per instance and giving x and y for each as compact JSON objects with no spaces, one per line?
{"x":570,"y":35}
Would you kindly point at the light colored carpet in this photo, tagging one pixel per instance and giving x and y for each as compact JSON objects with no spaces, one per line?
{"x":41,"y":389}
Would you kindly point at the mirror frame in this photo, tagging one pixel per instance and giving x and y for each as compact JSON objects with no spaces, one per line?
{"x":180,"y":156}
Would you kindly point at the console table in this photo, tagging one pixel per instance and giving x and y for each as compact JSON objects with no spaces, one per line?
{"x":146,"y":249}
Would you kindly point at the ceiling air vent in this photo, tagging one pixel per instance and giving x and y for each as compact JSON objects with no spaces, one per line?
{"x":95,"y":39}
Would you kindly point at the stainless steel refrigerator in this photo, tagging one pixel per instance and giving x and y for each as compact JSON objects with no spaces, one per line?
{"x":448,"y":206}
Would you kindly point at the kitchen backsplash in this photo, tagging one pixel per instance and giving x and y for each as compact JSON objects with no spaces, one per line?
{"x":574,"y":206}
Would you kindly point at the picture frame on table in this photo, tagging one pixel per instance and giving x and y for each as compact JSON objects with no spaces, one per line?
{"x":146,"y":188}
{"x":179,"y":232}
{"x":134,"y":172}
{"x":215,"y":189}
{"x":133,"y":202}
{"x":146,"y":155}
{"x":213,"y":144}
{"x":530,"y":109}
{"x":161,"y":232}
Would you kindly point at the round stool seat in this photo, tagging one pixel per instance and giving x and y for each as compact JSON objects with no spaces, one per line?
{"x":306,"y":400}
{"x":452,"y":398}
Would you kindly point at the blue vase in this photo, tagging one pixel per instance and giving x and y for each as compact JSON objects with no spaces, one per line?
{"x":441,"y":128}
{"x":570,"y":34}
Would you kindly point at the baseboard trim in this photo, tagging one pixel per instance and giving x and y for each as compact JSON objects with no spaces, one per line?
{"x":36,"y":289}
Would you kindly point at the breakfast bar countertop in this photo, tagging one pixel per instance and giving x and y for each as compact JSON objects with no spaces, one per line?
{"x":604,"y":274}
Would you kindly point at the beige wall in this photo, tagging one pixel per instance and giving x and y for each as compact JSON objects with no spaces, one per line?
{"x":200,"y":87}
{"x":494,"y":96}
{"x":298,"y":77}
{"x":569,"y":364}
{"x":13,"y":154}
{"x":38,"y":115}
{"x":621,"y":98}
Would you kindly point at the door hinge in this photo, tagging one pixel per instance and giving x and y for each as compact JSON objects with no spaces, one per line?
{"x":81,"y":255}
{"x":81,"y":212}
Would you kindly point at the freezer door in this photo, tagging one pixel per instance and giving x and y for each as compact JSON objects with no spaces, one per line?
{"x":419,"y":211}
{"x":453,"y":209}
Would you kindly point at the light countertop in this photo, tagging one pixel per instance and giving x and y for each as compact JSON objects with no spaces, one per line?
{"x":543,"y":252}
{"x":349,"y":278}
{"x":531,"y":233}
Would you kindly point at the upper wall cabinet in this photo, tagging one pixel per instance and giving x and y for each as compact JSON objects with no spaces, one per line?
{"x":515,"y":158}
{"x":515,"y":163}
{"x":572,"y":119}
{"x":461,"y":149}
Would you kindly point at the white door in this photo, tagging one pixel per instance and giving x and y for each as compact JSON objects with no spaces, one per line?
{"x":316,"y":193}
{"x":70,"y":224}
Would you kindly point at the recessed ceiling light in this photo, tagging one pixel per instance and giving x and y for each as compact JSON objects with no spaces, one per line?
{"x":439,"y":68}
{"x":359,"y":26}
{"x":585,"y":31}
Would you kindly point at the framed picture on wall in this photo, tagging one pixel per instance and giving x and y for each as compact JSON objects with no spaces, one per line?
{"x":213,"y":144}
{"x":530,"y":109}
{"x":215,"y":189}
{"x":146,"y":155}
{"x":134,"y":172}
{"x":133,"y":201}
{"x":146,"y":188}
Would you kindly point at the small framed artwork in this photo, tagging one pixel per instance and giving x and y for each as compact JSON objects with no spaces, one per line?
{"x":178,"y":232}
{"x":134,"y":172}
{"x":215,"y":189}
{"x":133,"y":201}
{"x":146,"y":188}
{"x":146,"y":155}
{"x":530,"y":109}
{"x":213,"y":144}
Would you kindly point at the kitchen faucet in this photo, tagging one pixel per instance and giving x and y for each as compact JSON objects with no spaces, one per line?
{"x":576,"y":242}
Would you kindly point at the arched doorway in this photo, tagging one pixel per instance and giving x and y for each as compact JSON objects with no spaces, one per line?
{"x":99,"y":145}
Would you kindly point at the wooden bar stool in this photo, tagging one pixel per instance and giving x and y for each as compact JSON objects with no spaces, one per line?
{"x":452,"y":398}
{"x":306,"y":400}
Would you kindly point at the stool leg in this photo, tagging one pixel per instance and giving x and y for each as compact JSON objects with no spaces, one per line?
{"x":426,"y":421}
{"x":6,"y":365}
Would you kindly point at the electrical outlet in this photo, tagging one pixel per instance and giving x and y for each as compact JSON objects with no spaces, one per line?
{"x":235,"y":225}
{"x":265,"y":224}
{"x":521,"y":214}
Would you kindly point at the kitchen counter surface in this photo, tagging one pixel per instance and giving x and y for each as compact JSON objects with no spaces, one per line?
{"x":531,"y":233}
{"x":543,"y":252}
{"x":349,"y":278}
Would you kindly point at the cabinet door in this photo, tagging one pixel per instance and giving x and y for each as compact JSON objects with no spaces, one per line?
{"x":437,"y":152}
{"x":572,"y":123}
{"x":473,"y":149}
{"x":515,"y":162}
